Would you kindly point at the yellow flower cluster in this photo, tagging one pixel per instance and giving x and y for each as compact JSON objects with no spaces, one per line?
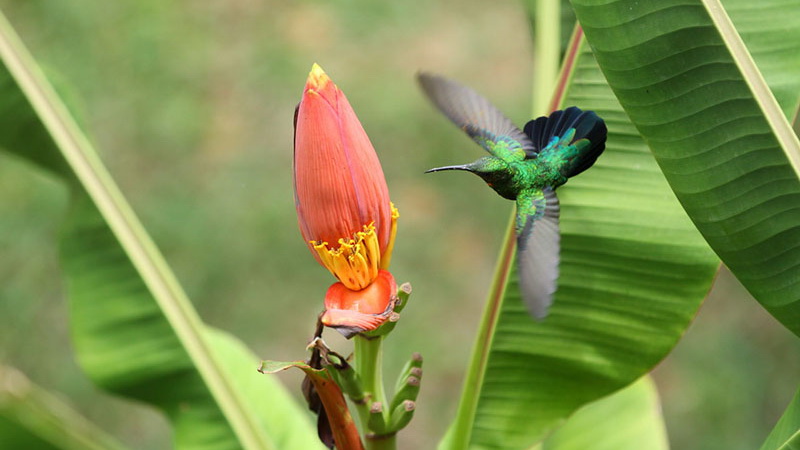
{"x":356,"y":261}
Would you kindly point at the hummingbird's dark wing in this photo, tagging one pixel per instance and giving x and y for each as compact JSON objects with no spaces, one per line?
{"x":484,"y":123}
{"x":538,"y":244}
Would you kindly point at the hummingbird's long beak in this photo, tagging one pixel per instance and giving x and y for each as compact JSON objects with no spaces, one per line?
{"x":461,"y":167}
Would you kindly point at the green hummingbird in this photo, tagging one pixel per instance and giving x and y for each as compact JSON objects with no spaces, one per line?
{"x":524,"y":166}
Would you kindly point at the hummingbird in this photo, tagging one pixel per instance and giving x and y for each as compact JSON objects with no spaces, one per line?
{"x":525,"y":166}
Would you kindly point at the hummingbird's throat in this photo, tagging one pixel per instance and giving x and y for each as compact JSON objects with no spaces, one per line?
{"x":357,"y":260}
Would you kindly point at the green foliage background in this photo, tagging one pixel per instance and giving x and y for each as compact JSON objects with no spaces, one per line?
{"x":189,"y":105}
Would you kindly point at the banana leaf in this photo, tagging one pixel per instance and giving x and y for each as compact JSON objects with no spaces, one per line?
{"x":786,"y":434}
{"x":627,"y":419}
{"x":134,"y":331}
{"x":697,"y":91}
{"x":669,"y":66}
{"x":714,"y":87}
{"x":633,"y":272}
{"x":31,"y":417}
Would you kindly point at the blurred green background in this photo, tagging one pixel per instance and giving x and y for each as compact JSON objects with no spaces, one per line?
{"x":190,"y":104}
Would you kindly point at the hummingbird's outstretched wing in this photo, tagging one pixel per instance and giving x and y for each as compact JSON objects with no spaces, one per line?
{"x":484,"y":123}
{"x":537,"y":248}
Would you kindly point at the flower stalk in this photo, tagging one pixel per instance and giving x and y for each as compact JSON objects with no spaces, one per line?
{"x":368,"y":362}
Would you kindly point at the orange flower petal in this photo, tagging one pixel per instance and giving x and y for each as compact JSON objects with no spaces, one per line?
{"x":356,"y":321}
{"x":363,"y":310}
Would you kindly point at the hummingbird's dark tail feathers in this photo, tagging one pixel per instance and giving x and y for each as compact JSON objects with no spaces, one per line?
{"x":588,"y":140}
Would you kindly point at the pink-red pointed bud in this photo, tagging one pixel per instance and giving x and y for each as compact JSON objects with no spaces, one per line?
{"x":343,"y":206}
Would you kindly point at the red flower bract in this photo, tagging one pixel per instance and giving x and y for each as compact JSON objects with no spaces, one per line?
{"x":336,"y":169}
{"x":343,"y":206}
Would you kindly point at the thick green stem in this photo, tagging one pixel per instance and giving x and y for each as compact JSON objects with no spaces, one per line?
{"x":459,"y":434}
{"x":547,"y":35}
{"x":368,"y":359}
{"x":368,"y":365}
{"x":388,"y":442}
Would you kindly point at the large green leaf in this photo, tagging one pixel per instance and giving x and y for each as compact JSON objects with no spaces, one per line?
{"x":633,"y":272}
{"x":627,"y":419}
{"x":134,"y":331}
{"x":686,"y":80}
{"x":123,"y":342}
{"x":786,"y":434}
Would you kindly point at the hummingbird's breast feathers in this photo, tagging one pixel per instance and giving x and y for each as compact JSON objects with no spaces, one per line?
{"x":509,"y":178}
{"x":499,"y":174}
